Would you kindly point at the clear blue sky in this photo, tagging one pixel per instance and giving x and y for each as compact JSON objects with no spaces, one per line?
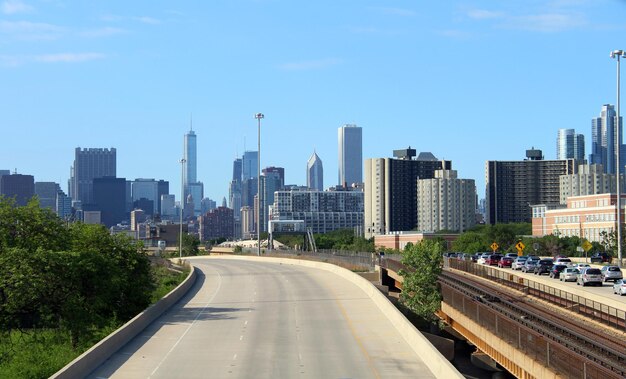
{"x":469,"y":81}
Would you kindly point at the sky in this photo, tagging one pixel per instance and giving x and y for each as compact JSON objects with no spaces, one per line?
{"x":469,"y":81}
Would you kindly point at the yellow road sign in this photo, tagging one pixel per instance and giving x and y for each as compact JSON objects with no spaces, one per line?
{"x":520,"y":246}
{"x":494,"y":246}
{"x":587,"y":245}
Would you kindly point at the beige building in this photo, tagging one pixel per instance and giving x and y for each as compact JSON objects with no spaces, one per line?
{"x":446,"y":203}
{"x":590,"y":180}
{"x":584,"y":216}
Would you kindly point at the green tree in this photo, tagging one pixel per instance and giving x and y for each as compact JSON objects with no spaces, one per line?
{"x":471,"y":242}
{"x":420,"y":290}
{"x":190,"y":245}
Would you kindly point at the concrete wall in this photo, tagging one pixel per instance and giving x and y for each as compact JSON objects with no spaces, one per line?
{"x":436,"y":362}
{"x":94,"y":357}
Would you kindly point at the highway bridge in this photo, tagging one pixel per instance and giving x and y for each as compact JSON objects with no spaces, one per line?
{"x":277,"y":318}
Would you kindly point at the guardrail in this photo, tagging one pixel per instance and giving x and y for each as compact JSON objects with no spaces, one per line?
{"x":595,"y":310}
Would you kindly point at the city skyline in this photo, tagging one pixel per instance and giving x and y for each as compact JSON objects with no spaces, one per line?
{"x":427,"y":76}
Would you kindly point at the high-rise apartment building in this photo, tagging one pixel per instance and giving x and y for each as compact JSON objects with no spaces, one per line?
{"x":315,"y":173}
{"x":350,"y":139}
{"x":589,"y":180}
{"x":88,"y":165}
{"x":513,"y":186}
{"x":391,"y":189}
{"x":570,"y":145}
{"x":446,"y":203}
{"x":217,"y":223}
{"x":322,"y":211}
{"x":604,"y":140}
{"x":47,"y":194}
{"x":19,"y":187}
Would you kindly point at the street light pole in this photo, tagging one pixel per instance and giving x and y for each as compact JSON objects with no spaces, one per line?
{"x":618,"y":54}
{"x":259,"y":116}
{"x":182,"y":205}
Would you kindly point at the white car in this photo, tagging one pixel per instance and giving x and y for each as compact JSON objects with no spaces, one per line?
{"x":563,"y":261}
{"x":518,"y":263}
{"x":619,"y":287}
{"x":482,"y":259}
{"x":581,"y":265}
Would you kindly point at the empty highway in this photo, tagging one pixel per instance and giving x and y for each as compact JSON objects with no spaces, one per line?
{"x":246,"y":319}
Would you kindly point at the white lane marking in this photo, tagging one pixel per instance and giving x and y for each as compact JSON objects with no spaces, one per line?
{"x":240,"y":338}
{"x":245,"y":323}
{"x":219,"y":285}
{"x":234,"y":357}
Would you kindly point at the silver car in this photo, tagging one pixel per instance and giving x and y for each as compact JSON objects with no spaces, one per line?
{"x":612,"y":273}
{"x":619,"y":287}
{"x":530,"y":265}
{"x":590,"y":275}
{"x":569,"y":274}
{"x":518,"y":263}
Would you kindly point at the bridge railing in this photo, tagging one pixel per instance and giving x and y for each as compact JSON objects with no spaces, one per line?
{"x":587,"y":307}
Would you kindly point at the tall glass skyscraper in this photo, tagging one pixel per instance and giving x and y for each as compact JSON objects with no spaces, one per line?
{"x":350,"y":155}
{"x":88,"y":165}
{"x":315,"y":173}
{"x":249,"y":165}
{"x":570,"y":145}
{"x":604,"y":140}
{"x":191,"y":159}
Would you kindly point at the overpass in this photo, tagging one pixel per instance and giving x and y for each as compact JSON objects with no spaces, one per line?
{"x":505,"y":316}
{"x":272,"y":317}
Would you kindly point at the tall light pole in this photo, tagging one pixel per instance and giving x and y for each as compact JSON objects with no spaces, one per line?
{"x":618,"y":54}
{"x":258,"y":117}
{"x":182,"y":204}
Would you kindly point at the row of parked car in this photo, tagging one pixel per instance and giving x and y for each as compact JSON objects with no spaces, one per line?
{"x":560,"y":267}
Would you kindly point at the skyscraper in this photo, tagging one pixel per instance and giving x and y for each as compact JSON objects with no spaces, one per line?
{"x":604,"y":141}
{"x":109,"y":194}
{"x":88,"y":165}
{"x":191,"y":159}
{"x":249,"y":169}
{"x":350,"y":155}
{"x":47,"y":194}
{"x":19,"y":187}
{"x":570,"y":145}
{"x":315,"y":173}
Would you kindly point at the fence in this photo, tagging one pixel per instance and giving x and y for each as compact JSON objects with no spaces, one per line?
{"x":590,"y":308}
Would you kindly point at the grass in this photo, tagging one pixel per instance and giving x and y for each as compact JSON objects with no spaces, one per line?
{"x":34,"y":354}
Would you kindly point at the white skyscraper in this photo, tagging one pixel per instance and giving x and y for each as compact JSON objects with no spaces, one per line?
{"x":350,"y":155}
{"x":315,"y":173}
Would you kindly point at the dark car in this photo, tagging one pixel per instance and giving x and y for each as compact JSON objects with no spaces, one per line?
{"x":493,"y":259}
{"x":543,"y":266}
{"x":475,"y":257}
{"x":555,"y":270}
{"x":601,"y":258}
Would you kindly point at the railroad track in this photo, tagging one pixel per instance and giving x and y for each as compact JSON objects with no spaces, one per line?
{"x":590,"y":343}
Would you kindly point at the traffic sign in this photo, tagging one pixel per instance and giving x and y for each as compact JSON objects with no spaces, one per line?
{"x":520,"y":247}
{"x":587,"y":245}
{"x":494,"y":246}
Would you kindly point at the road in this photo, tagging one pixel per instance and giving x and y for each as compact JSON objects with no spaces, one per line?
{"x":249,"y":319}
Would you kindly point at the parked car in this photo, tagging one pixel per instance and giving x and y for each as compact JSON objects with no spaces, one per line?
{"x":518,"y":263}
{"x":569,"y":274}
{"x":543,"y":266}
{"x":530,"y":265}
{"x":589,"y":275}
{"x":611,"y":273}
{"x":505,"y":262}
{"x":619,"y":287}
{"x":493,"y":259}
{"x":555,"y":270}
{"x":601,"y":258}
{"x":563,"y":260}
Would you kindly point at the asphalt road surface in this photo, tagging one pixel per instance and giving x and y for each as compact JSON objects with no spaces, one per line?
{"x":249,"y":319}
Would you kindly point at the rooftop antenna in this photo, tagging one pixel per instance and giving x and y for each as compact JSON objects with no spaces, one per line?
{"x":191,"y":122}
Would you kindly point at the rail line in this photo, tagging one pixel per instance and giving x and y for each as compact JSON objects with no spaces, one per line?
{"x":588,"y":343}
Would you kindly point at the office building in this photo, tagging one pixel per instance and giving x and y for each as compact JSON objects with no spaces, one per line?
{"x":218,"y":223}
{"x":163,"y":188}
{"x":168,"y":207}
{"x":315,"y":173}
{"x":570,"y":145}
{"x":5,"y":172}
{"x":207,"y":205}
{"x":19,"y":187}
{"x":249,"y":165}
{"x":589,"y":180}
{"x":446,"y":203}
{"x":513,"y":186}
{"x":391,"y":189}
{"x":272,"y":180}
{"x":196,"y":190}
{"x":47,"y":194}
{"x":604,"y":141}
{"x":350,"y":139}
{"x":248,"y":223}
{"x":88,"y":165}
{"x":190,"y":154}
{"x":322,"y":211}
{"x":63,"y":205}
{"x":109,"y":196}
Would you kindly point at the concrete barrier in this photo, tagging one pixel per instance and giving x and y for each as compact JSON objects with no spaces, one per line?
{"x":100,"y":352}
{"x":434,"y":360}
